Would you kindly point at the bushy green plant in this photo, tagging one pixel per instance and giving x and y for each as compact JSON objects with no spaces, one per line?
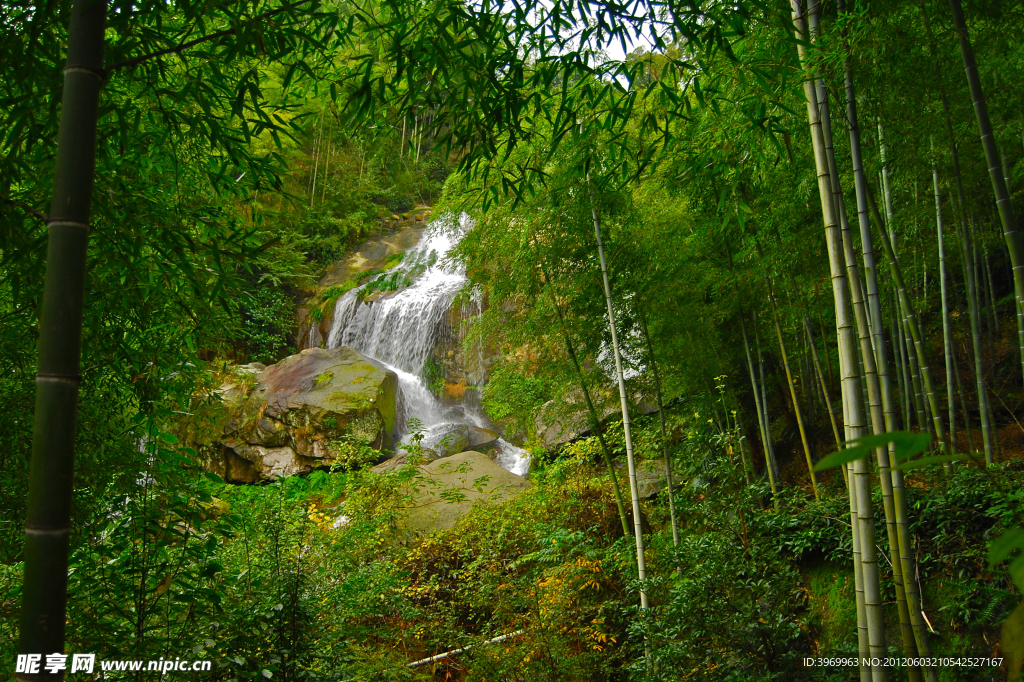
{"x":268,"y":314}
{"x":511,"y":397}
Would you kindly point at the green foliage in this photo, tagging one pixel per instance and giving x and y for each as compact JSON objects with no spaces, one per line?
{"x":384,"y":283}
{"x":351,"y":452}
{"x":512,"y":398}
{"x":235,"y":159}
{"x":905,"y":446}
{"x":734,"y":615}
{"x":269,"y":320}
{"x":434,"y":375}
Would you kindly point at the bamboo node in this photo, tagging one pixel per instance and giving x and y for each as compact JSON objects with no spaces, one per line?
{"x":96,"y":73}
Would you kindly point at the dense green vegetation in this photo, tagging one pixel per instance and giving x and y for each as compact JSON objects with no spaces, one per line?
{"x":242,"y":148}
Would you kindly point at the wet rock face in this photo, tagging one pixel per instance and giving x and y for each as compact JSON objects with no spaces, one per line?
{"x":463,"y":367}
{"x":282,"y":420}
{"x":448,"y":440}
{"x":372,"y":254}
{"x":369,"y":255}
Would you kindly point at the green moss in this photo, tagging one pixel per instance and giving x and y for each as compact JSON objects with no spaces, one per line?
{"x":833,"y":610}
{"x":433,"y":373}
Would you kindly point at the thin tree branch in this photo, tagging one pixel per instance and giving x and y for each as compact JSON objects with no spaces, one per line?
{"x":178,"y":49}
{"x":25,"y":207}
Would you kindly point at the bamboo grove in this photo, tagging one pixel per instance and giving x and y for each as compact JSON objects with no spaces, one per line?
{"x":881,"y":320}
{"x":803,"y":214}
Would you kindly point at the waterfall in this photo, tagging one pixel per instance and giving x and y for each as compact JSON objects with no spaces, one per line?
{"x":400,"y":329}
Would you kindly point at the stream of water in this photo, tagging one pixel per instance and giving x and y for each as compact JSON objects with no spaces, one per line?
{"x":400,"y":330}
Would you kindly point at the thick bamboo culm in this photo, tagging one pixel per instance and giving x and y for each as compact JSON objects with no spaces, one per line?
{"x":44,"y":591}
{"x":852,"y":410}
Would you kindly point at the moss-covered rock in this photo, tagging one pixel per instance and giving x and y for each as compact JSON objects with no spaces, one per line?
{"x":446,"y":489}
{"x":283,"y":420}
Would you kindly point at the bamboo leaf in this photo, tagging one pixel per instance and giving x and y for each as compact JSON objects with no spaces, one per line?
{"x":1003,"y":546}
{"x":925,"y":461}
{"x":907,"y":445}
{"x":1012,"y":642}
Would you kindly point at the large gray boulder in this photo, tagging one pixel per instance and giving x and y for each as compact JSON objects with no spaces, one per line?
{"x":294,"y":416}
{"x":446,"y":489}
{"x":447,"y":439}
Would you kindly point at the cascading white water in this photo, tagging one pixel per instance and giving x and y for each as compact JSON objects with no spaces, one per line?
{"x":400,"y":330}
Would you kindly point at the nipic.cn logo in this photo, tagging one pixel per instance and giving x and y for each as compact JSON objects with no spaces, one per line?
{"x":33,"y":664}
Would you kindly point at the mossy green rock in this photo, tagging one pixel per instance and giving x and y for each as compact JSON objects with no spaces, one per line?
{"x":285,"y":424}
{"x":446,"y":489}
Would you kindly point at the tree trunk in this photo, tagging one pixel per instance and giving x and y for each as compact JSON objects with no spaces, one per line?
{"x":1014,"y":243}
{"x":50,"y":490}
{"x":641,"y":564}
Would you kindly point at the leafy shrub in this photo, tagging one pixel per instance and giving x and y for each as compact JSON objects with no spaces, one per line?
{"x":269,"y":317}
{"x":511,"y":398}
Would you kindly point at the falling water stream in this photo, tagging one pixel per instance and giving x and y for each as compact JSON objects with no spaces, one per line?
{"x":400,"y":329}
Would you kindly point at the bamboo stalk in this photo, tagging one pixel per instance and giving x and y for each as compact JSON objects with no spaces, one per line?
{"x":863,"y":645}
{"x":991,"y":300}
{"x":967,"y":354}
{"x":1019,"y":315}
{"x":880,"y":425}
{"x":595,"y":423}
{"x":641,"y":564}
{"x":915,"y":377}
{"x":769,"y":456}
{"x":1020,"y":334}
{"x":853,"y":417}
{"x":963,"y":404}
{"x":979,"y":371}
{"x":1014,"y":242}
{"x":947,"y":329}
{"x":876,"y":366}
{"x":792,"y":392}
{"x":50,"y":492}
{"x":911,"y":321}
{"x":316,"y":155}
{"x":664,"y":437}
{"x":764,"y":403}
{"x":821,"y":378}
{"x":901,"y":371}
